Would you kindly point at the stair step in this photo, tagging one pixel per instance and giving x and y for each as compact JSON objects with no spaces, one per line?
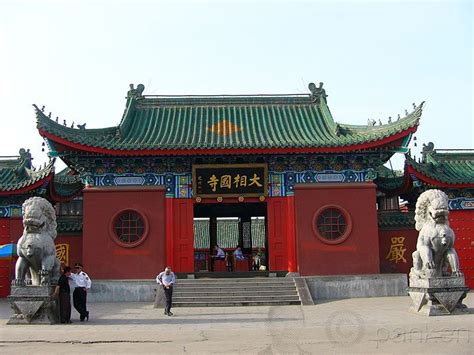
{"x":235,"y":298}
{"x":256,"y":279}
{"x":236,"y":304}
{"x":239,"y":284}
{"x":235,"y":287}
{"x":180,"y":293}
{"x":235,"y":292}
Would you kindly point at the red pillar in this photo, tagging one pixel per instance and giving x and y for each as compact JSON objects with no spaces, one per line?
{"x":180,"y":234}
{"x":292,"y":263}
{"x":169,"y":231}
{"x":277,"y":214}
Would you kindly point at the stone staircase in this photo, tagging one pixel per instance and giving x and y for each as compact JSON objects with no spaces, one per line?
{"x":222,"y":292}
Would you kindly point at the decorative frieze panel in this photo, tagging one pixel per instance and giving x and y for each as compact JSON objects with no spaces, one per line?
{"x":175,"y":173}
{"x":461,"y":203}
{"x":103,"y":165}
{"x":128,"y":180}
{"x":279,"y":183}
{"x":10,"y":211}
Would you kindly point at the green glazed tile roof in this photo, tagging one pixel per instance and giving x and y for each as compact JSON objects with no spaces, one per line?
{"x":396,"y":219}
{"x":69,"y":224}
{"x":389,"y":180}
{"x":17,"y":174}
{"x":445,"y":166}
{"x":387,"y":184}
{"x":67,"y":184}
{"x":164,"y":123}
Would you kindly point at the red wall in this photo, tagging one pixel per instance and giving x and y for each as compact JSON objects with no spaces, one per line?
{"x":11,"y":230}
{"x":103,"y":258}
{"x":462,"y":222}
{"x":389,"y":263}
{"x":359,"y":253}
{"x":74,"y":243}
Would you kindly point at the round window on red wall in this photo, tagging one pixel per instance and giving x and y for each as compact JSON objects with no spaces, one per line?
{"x":129,"y":228}
{"x":332,"y":224}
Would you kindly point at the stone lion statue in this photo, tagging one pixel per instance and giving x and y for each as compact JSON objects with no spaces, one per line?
{"x":36,"y":250}
{"x":435,"y":244}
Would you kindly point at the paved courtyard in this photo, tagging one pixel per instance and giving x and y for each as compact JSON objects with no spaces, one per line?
{"x":360,"y":325}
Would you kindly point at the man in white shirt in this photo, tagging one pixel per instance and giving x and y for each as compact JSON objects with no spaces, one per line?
{"x":167,"y":279}
{"x":82,"y":283}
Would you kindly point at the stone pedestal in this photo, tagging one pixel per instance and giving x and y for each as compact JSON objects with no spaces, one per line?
{"x":160,"y":298}
{"x":33,"y":305}
{"x":437,"y":296}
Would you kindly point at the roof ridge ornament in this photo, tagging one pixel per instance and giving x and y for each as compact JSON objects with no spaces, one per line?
{"x":428,"y":149}
{"x":317,"y":93}
{"x":135,"y":92}
{"x":25,"y":156}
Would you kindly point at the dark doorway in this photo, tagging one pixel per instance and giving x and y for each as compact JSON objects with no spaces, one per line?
{"x":229,"y":225}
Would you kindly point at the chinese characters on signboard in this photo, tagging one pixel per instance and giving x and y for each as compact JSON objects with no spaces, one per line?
{"x":62,"y":253}
{"x":397,"y":250}
{"x":230,"y":180}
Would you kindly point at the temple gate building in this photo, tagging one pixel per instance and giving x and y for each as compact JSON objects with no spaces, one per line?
{"x":275,"y":174}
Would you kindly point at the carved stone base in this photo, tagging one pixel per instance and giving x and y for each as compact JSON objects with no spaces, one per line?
{"x":33,"y":305}
{"x":160,"y":298}
{"x":437,"y":295}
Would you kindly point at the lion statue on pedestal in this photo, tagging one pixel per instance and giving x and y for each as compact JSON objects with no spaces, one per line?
{"x":435,"y":244}
{"x":36,"y":250}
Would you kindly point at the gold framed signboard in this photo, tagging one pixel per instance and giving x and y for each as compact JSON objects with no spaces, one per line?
{"x":230,"y":180}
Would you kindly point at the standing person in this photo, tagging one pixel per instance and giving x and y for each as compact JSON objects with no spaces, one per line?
{"x":82,"y":283}
{"x":64,"y":292}
{"x":167,"y":279}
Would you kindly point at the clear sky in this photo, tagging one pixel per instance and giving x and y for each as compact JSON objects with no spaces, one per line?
{"x":375,"y":58}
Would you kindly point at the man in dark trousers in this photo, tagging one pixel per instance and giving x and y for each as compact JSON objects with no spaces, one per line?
{"x":167,"y":279}
{"x":82,"y":283}
{"x":64,"y":292}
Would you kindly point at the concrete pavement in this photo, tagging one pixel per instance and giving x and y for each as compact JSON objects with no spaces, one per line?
{"x":358,"y":325}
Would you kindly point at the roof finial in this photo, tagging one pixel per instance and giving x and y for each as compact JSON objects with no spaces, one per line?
{"x":398,"y":117}
{"x":389,"y":119}
{"x":81,"y":126}
{"x":49,"y":115}
{"x":135,"y":92}
{"x":57,"y":119}
{"x":25,"y":156}
{"x":42,"y":109}
{"x":406,"y":112}
{"x":72,"y":124}
{"x":414,"y":106}
{"x":64,"y":123}
{"x":427,"y":150}
{"x":317,"y":93}
{"x":380,"y":122}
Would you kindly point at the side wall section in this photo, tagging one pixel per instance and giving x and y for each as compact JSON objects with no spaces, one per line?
{"x":103,"y":258}
{"x":396,"y":248}
{"x":11,"y":230}
{"x":359,"y":253}
{"x":462,"y":223}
